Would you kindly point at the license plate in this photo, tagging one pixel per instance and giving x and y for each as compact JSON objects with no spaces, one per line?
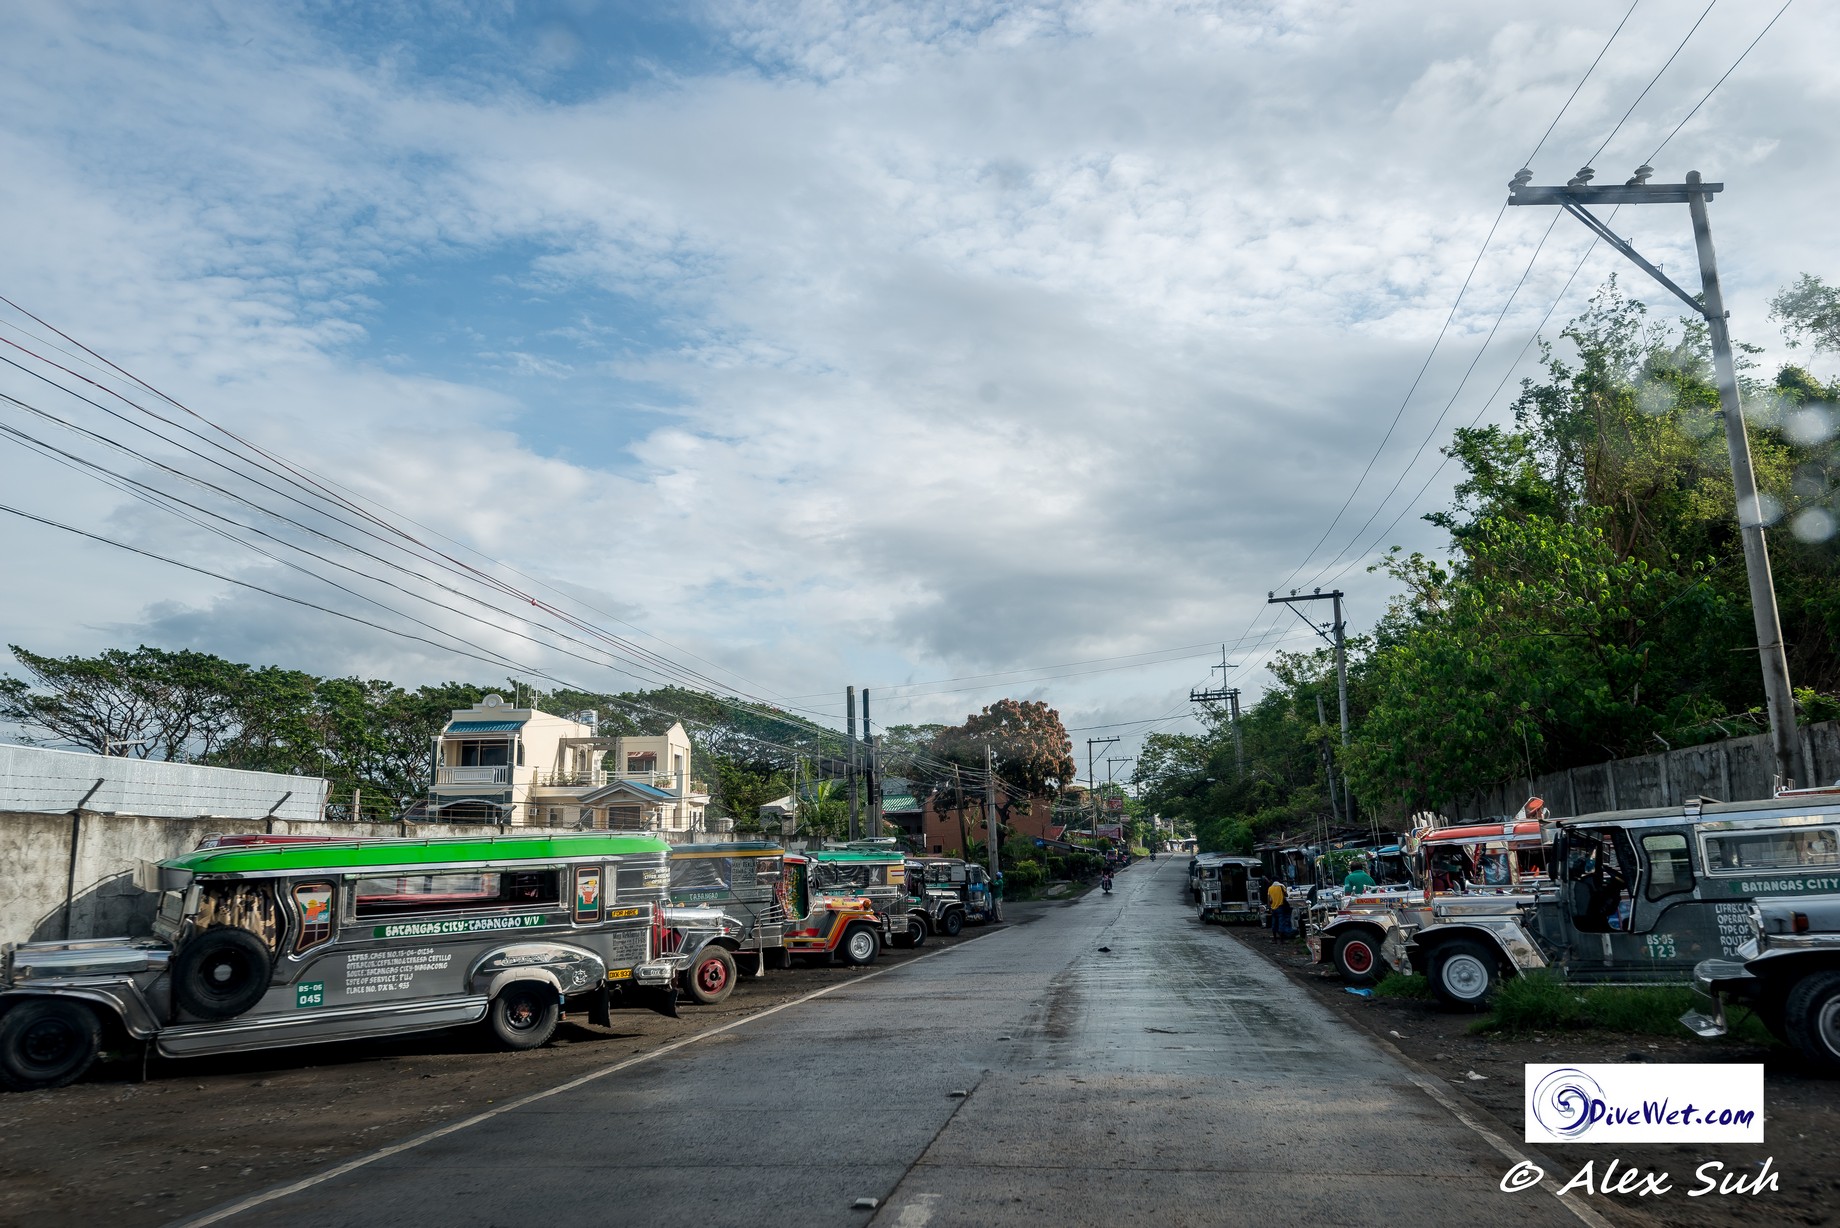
{"x":619,"y":974}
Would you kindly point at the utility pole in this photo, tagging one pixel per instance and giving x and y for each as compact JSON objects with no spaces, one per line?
{"x":964,"y":832}
{"x":1328,"y":764}
{"x":1710,"y":306}
{"x":874,"y":800}
{"x":1092,"y":778}
{"x":849,"y":720}
{"x":990,"y":828}
{"x":1239,"y":745}
{"x":1231,"y":696}
{"x":1337,"y":637}
{"x":1108,"y":780}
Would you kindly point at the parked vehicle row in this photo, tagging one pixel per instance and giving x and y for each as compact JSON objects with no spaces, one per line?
{"x":262,"y":941}
{"x":1741,"y":899}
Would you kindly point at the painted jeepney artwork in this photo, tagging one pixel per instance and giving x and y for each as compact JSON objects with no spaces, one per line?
{"x":296,"y":942}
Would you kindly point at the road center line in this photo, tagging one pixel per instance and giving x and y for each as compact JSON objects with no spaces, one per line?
{"x":394,"y":1149}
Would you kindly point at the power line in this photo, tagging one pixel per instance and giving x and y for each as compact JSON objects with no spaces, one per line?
{"x":1721,"y":81}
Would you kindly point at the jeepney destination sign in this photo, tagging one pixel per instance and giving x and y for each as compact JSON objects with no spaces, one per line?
{"x":468,"y":925}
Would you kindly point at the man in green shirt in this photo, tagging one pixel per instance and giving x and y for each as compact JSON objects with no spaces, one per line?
{"x":1357,"y":879}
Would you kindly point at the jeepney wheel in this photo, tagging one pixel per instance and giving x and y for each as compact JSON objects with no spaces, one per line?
{"x":1811,"y":1019}
{"x":952,"y":922}
{"x":916,"y":931}
{"x":1357,"y":958}
{"x":1464,"y":974}
{"x":861,"y":946}
{"x":47,"y":1042}
{"x":524,"y":1016}
{"x":712,"y":977}
{"x":222,"y":972}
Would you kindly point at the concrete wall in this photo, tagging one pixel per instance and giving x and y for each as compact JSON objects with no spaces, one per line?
{"x":1735,"y":770}
{"x":89,"y":859}
{"x":35,"y":779}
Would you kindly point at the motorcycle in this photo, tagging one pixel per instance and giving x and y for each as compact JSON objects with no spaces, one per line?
{"x":1105,"y":884}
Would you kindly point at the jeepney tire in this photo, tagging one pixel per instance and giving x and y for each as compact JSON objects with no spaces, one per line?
{"x":711,"y":978}
{"x":860,"y":946}
{"x":916,"y":932}
{"x":1811,"y":1020}
{"x":47,"y":1042}
{"x":1464,"y":974}
{"x":1357,"y":957}
{"x":221,"y":972}
{"x":952,"y":922}
{"x":524,"y":1015}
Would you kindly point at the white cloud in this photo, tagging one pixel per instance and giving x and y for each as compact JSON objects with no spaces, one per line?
{"x":990,"y":335}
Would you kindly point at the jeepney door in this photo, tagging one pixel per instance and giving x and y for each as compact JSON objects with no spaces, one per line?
{"x":1629,"y":906}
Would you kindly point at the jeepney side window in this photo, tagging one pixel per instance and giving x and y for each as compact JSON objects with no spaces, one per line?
{"x":699,"y":873}
{"x":587,"y":894}
{"x":1670,"y":868}
{"x":455,"y":891}
{"x":313,"y":905}
{"x":1776,"y":849}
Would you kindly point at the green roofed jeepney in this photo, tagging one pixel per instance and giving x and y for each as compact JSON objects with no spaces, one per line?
{"x":264,"y":944}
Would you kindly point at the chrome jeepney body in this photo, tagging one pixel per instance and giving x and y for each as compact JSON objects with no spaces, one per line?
{"x":1226,"y":888}
{"x":1643,"y":897}
{"x":1475,"y":869}
{"x":738,"y":879}
{"x":271,"y":944}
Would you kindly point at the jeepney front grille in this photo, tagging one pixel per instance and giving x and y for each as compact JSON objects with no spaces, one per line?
{"x":627,"y":947}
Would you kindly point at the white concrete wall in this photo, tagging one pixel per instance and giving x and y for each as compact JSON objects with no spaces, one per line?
{"x":35,"y":779}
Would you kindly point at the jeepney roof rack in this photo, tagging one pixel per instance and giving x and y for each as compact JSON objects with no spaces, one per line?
{"x":1694,"y":804}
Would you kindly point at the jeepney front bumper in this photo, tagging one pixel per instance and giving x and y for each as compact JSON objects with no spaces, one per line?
{"x":1716,"y":980}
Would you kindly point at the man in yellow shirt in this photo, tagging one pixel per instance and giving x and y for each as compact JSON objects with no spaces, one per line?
{"x":1279,"y":900}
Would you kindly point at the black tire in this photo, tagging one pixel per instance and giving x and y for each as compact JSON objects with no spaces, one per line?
{"x":524,"y":1015}
{"x":1357,"y":956}
{"x":47,"y":1042}
{"x":1464,"y":974}
{"x":952,"y":922}
{"x":860,"y":946}
{"x":1811,"y":1020}
{"x":916,"y":931}
{"x":711,"y":978}
{"x":221,"y":973}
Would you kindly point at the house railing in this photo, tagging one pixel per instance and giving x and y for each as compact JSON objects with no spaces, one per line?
{"x":498,"y":775}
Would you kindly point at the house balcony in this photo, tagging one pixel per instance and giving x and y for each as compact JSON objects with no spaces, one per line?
{"x":472,"y":777}
{"x":598,"y":777}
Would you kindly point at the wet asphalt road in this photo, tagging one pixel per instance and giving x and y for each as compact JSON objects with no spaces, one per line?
{"x":1173,"y":1079}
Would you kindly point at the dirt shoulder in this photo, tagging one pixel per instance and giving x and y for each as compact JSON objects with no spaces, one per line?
{"x":196,"y":1133}
{"x":1802,"y":1115}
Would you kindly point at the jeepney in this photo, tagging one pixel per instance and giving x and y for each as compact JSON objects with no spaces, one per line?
{"x":957,"y":892}
{"x":736,"y":888}
{"x":1227,"y":888}
{"x":1640,"y":897}
{"x":262,"y":945}
{"x":843,"y":903}
{"x":1787,"y":969}
{"x":1477,"y":868}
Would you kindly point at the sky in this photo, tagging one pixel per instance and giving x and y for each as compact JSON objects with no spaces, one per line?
{"x":955,"y":351}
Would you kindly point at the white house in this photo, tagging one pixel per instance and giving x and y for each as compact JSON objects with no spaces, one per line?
{"x":531,"y":768}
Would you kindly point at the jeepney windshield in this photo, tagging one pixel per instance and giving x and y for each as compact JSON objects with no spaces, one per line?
{"x":844,"y":876}
{"x":701,"y":874}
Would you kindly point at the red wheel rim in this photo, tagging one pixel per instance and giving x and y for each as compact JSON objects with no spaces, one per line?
{"x":1359,"y":957}
{"x":711,"y":975}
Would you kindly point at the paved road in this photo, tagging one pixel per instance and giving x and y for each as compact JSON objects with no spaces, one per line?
{"x":1172,"y":1079}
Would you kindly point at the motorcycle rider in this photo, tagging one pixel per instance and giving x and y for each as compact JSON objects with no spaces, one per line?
{"x":1105,"y":882}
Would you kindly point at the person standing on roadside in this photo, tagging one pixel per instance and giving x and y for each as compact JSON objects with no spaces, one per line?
{"x":1357,"y":878}
{"x":1279,"y":900}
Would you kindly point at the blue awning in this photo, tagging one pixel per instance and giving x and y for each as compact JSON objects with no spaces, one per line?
{"x":484,"y":726}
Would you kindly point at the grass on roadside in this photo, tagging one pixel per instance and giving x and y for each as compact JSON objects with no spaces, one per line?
{"x":1541,"y":1002}
{"x":1406,"y":985}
